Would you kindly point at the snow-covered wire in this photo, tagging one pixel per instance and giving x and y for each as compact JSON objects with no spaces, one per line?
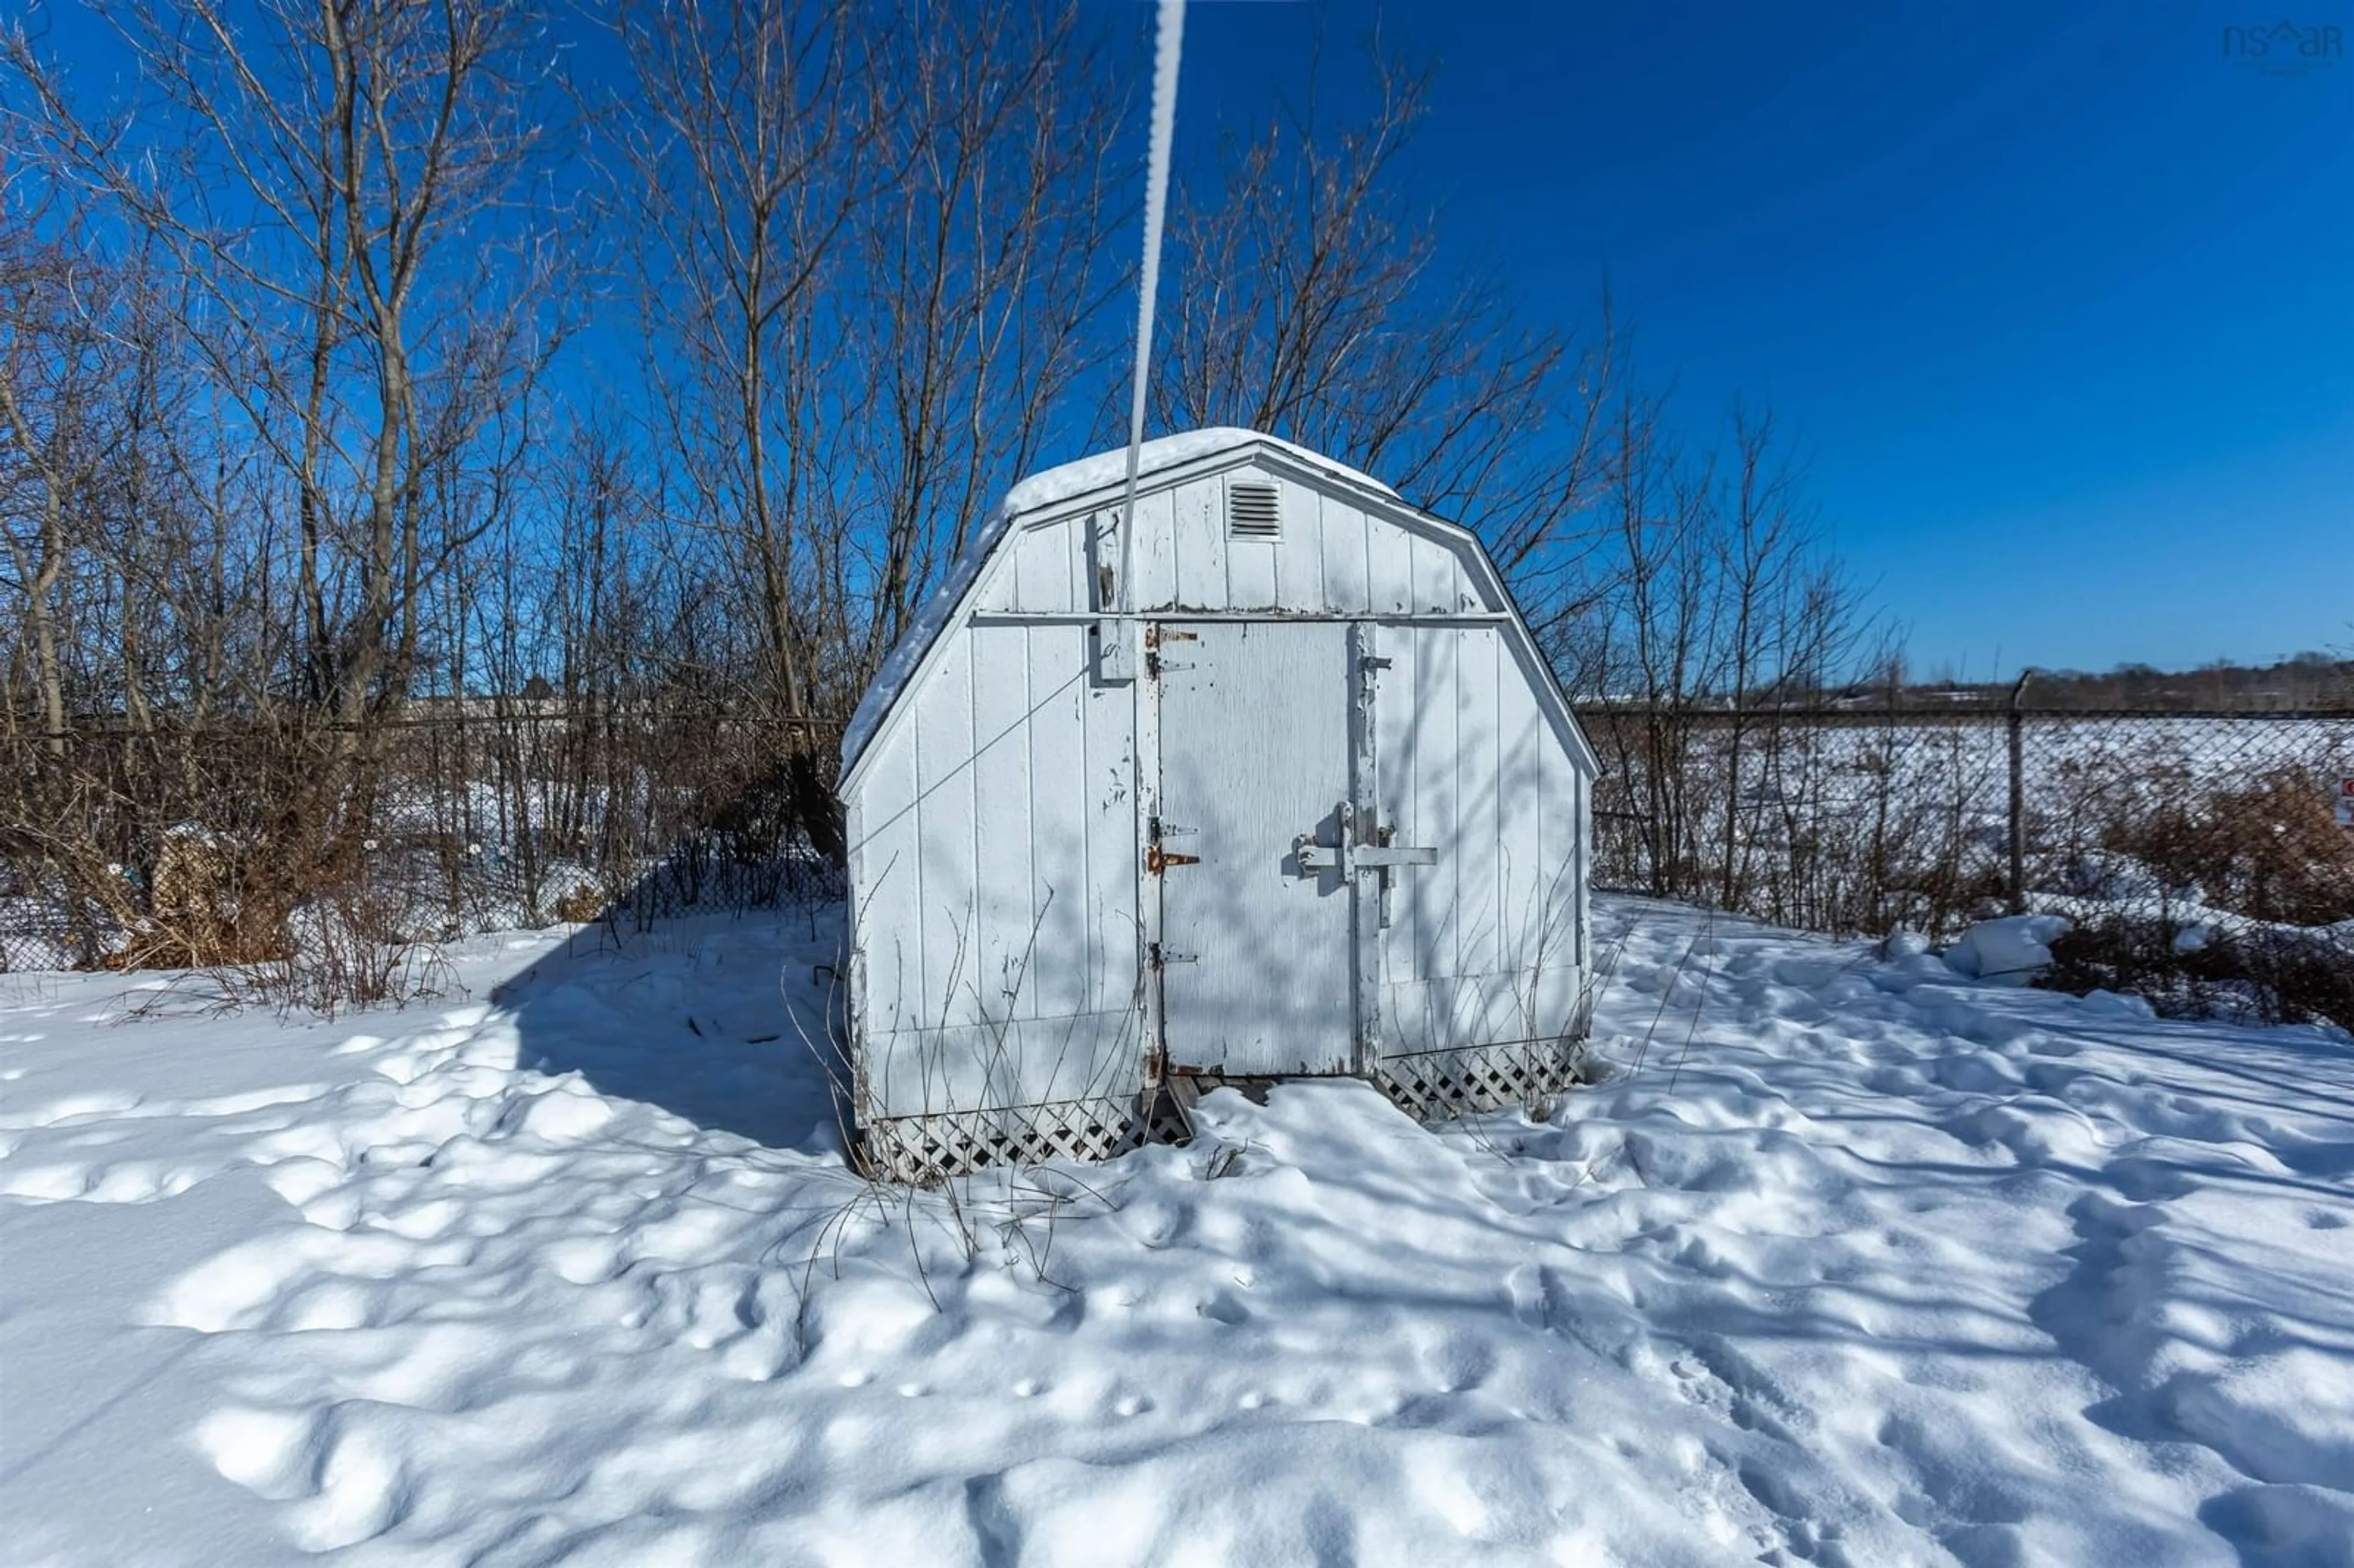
{"x":1169,"y":43}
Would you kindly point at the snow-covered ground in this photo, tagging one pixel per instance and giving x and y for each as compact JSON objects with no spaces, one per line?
{"x":1852,"y":1262}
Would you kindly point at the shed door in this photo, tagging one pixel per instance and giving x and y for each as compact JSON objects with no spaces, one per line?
{"x":1257,"y":973}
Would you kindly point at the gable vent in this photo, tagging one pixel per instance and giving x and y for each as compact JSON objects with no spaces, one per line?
{"x":1253,"y":510}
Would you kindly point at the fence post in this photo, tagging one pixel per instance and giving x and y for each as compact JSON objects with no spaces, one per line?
{"x":2016,"y":725}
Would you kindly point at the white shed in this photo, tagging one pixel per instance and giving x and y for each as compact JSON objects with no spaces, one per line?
{"x":1305,"y":799}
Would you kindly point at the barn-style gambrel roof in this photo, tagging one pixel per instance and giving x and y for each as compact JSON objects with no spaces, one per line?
{"x":1092,"y":482}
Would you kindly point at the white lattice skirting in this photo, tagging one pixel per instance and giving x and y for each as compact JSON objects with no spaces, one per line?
{"x":1432,"y":1086}
{"x":925,"y":1149}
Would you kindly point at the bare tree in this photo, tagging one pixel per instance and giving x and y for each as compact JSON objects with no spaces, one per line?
{"x":1325,"y":308}
{"x":53,"y":445}
{"x":330,"y":296}
{"x":741,"y":145}
{"x":1724,"y":628}
{"x":872,"y":266}
{"x":355,"y":192}
{"x":303,"y":536}
{"x":980,"y":279}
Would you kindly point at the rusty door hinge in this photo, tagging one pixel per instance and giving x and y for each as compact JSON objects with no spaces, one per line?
{"x":1158,"y":860}
{"x":1154,"y":636}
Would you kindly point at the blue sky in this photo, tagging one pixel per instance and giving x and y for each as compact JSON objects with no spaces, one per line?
{"x":2059,"y":301}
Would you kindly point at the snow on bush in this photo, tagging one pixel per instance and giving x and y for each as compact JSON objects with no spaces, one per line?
{"x":2011,"y":950}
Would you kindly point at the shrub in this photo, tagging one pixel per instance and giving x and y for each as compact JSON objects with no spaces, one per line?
{"x":2271,"y":975}
{"x":2270,"y":849}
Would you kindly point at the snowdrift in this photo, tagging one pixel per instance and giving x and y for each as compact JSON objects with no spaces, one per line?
{"x":1850,"y":1261}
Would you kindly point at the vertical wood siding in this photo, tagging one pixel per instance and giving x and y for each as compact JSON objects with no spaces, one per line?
{"x":1330,"y":558}
{"x":994,"y":874}
{"x":1255,"y":751}
{"x":1482,"y":946}
{"x":995,"y":860}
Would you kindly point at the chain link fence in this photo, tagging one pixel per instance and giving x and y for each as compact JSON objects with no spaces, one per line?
{"x":2199,"y":858}
{"x":231,"y":844}
{"x":2203,"y":860}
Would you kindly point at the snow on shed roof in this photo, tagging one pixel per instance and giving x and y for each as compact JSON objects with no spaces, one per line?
{"x":1049,"y":487}
{"x":1074,"y":479}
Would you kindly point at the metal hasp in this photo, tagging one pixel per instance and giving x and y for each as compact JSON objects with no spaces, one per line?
{"x":1353,"y":854}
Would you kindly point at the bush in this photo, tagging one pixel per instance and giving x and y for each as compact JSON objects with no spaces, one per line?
{"x":2270,"y":849}
{"x":2272,"y":976}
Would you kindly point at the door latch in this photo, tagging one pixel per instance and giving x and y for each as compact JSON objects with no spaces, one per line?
{"x":1354,"y":855}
